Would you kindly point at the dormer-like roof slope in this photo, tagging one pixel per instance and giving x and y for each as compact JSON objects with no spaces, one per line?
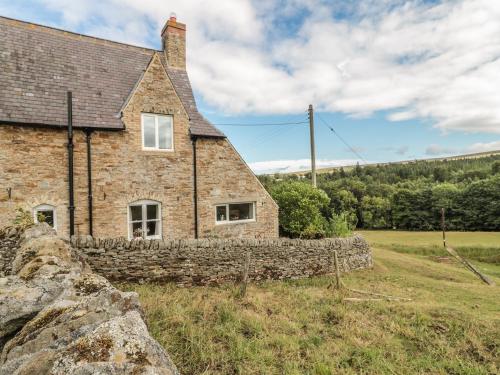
{"x":39,"y":64}
{"x":199,"y":126}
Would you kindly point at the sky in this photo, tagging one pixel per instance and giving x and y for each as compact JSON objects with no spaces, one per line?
{"x":395,"y":80}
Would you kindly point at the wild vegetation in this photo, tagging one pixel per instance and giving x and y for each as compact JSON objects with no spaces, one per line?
{"x":450,"y":326}
{"x":403,"y":196}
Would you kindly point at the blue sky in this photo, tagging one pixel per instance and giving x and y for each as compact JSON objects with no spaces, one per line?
{"x":396,"y":79}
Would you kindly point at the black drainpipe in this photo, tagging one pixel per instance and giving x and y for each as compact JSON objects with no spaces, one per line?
{"x":70,"y":166}
{"x":88,"y":133}
{"x":195,"y":188}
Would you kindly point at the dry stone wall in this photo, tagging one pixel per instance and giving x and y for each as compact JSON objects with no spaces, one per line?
{"x":213,"y":261}
{"x":9,"y":244}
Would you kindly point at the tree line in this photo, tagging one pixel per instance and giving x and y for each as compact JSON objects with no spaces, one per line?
{"x":406,"y":196}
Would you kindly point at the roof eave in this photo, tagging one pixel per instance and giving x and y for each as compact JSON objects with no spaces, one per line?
{"x":56,"y":126}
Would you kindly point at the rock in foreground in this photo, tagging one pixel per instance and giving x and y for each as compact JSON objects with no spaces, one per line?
{"x":57,"y":317}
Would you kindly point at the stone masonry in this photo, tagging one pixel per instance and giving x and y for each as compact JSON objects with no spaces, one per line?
{"x":214,"y":261}
{"x":34,"y":167}
{"x":34,"y":162}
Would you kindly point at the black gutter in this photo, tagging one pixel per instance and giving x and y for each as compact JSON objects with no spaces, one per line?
{"x":55,"y":127}
{"x":88,"y":134}
{"x":195,"y":187}
{"x":70,"y":166}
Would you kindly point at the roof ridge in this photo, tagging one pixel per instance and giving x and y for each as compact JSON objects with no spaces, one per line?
{"x":73,"y":34}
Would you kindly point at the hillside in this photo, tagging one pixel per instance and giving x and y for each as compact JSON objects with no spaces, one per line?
{"x":438,"y":159}
{"x":410,"y":195}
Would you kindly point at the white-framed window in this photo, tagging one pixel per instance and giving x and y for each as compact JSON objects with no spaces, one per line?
{"x":45,"y":213}
{"x":144,"y":220}
{"x":157,"y":132}
{"x":235,"y":212}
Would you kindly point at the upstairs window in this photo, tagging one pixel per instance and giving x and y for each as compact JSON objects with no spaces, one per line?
{"x":234,"y":213}
{"x":45,"y":213}
{"x":144,"y":220}
{"x":157,"y":132}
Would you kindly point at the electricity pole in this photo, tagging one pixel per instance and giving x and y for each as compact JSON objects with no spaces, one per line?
{"x":313,"y":151}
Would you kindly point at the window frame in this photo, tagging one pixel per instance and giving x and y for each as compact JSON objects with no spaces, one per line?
{"x":227,"y":221}
{"x":143,"y":204}
{"x":157,"y":137}
{"x":45,"y":207}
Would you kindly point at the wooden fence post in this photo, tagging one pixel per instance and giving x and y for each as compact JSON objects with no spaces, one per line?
{"x":337,"y":271}
{"x":244,"y":278}
{"x":443,"y":226}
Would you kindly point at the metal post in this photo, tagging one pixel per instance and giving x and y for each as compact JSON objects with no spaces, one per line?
{"x":313,"y":150}
{"x":88,"y":134}
{"x":70,"y":166}
{"x":195,"y":188}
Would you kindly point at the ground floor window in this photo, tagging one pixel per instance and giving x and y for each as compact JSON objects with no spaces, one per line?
{"x":144,"y":220}
{"x":45,"y":213}
{"x":235,"y":212}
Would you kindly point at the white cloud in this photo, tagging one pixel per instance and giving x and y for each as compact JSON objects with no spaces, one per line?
{"x":402,"y":150}
{"x":285,"y":166}
{"x":436,"y":149}
{"x":484,"y":147}
{"x":414,"y":59}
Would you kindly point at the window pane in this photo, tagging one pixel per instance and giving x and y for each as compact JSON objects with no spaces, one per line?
{"x":136,"y":230}
{"x":152,"y":211}
{"x":46,"y":216}
{"x":152,"y":228}
{"x":136,"y":213}
{"x":148,"y":124}
{"x":221,"y":213}
{"x":241,"y":211}
{"x":165,"y":132}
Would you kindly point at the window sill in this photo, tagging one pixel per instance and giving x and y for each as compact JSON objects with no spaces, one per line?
{"x":159,"y":150}
{"x":235,"y":222}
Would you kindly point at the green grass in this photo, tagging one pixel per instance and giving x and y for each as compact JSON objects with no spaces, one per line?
{"x":482,"y":248}
{"x":451,"y":326}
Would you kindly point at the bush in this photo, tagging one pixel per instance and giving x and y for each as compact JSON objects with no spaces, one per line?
{"x":23,"y":218}
{"x":300,"y":209}
{"x":338,"y":226}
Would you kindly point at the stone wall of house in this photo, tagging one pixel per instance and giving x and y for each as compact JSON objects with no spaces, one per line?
{"x":236,"y":184}
{"x":213,"y":261}
{"x":9,"y":245}
{"x":33,"y":171}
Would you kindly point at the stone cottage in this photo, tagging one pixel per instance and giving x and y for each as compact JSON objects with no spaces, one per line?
{"x":104,"y":138}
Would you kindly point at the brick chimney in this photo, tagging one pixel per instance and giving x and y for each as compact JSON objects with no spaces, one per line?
{"x":173,"y":38}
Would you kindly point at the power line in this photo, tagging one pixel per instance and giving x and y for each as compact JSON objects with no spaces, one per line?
{"x":264,"y":124}
{"x":342,"y":139}
{"x":270,"y":136}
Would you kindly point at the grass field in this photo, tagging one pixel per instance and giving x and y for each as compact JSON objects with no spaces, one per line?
{"x":483,"y":248}
{"x":451,"y":326}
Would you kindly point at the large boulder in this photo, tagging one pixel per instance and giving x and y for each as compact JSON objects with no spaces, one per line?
{"x":57,"y":317}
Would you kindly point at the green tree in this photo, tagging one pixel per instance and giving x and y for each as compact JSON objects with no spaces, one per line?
{"x":495,"y":168}
{"x":481,"y":205}
{"x":376,"y":212}
{"x":447,"y":195}
{"x":300,"y":208}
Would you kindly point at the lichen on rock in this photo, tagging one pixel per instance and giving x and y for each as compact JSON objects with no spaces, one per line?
{"x":57,"y":317}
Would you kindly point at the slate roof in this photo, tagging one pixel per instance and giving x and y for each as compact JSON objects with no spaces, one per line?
{"x":198,"y":124}
{"x":39,"y":64}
